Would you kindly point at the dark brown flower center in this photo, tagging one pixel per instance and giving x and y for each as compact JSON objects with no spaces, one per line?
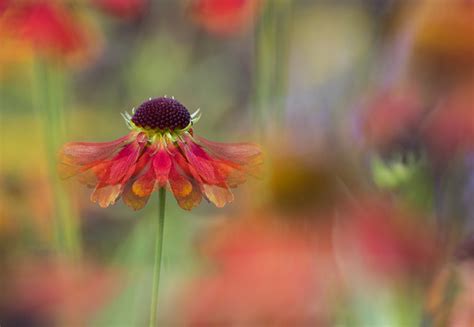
{"x":162,"y":113}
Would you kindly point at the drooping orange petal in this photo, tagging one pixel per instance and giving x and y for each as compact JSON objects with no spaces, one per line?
{"x":132,"y":200}
{"x":180,"y":185}
{"x":186,"y":191}
{"x":191,"y":200}
{"x":162,"y":166}
{"x":106,"y":195}
{"x":145,"y":184}
{"x":219,"y":196}
{"x":233,"y":176}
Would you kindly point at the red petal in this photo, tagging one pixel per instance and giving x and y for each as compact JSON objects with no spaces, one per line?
{"x":241,"y":153}
{"x":202,"y":164}
{"x":75,"y":156}
{"x":123,"y":164}
{"x":144,"y":159}
{"x":162,"y":166}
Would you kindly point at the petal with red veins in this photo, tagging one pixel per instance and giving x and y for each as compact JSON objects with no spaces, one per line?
{"x":123,"y":164}
{"x":143,"y":161}
{"x":75,"y":157}
{"x":204,"y":167}
{"x":145,"y":184}
{"x":182,"y":163}
{"x":162,"y":166}
{"x":241,"y":153}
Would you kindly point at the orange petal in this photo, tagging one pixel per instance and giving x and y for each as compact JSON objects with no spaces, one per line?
{"x":179,"y":184}
{"x":191,"y":200}
{"x":145,"y":184}
{"x":219,"y":196}
{"x":132,"y":200}
{"x":106,"y":195}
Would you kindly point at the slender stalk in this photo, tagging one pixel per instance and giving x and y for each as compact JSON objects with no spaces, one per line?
{"x":158,"y":253}
{"x":264,"y":66}
{"x":272,"y":36}
{"x":283,"y":12}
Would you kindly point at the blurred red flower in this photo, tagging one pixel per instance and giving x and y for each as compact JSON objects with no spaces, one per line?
{"x":449,"y":129}
{"x":48,"y":27}
{"x":160,"y":151}
{"x":391,"y":120}
{"x":225,"y":17}
{"x":125,"y":9}
{"x":267,"y":273}
{"x":54,"y":293}
{"x":463,"y":307}
{"x":388,"y":243}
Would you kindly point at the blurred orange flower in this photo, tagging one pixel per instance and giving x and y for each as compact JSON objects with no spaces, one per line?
{"x":445,"y":32}
{"x":160,"y":151}
{"x":225,"y":17}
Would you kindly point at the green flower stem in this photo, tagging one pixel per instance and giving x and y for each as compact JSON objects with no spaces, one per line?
{"x":271,"y":63}
{"x":49,"y":104}
{"x":283,"y":12}
{"x":158,"y":253}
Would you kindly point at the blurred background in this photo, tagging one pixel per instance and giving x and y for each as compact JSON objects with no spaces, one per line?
{"x":363,"y":215}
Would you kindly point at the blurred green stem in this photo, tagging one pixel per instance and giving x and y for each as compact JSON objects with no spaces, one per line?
{"x":49,"y":104}
{"x":271,"y":65}
{"x":158,"y":253}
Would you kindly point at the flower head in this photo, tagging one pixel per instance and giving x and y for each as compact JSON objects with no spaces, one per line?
{"x":160,"y":151}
